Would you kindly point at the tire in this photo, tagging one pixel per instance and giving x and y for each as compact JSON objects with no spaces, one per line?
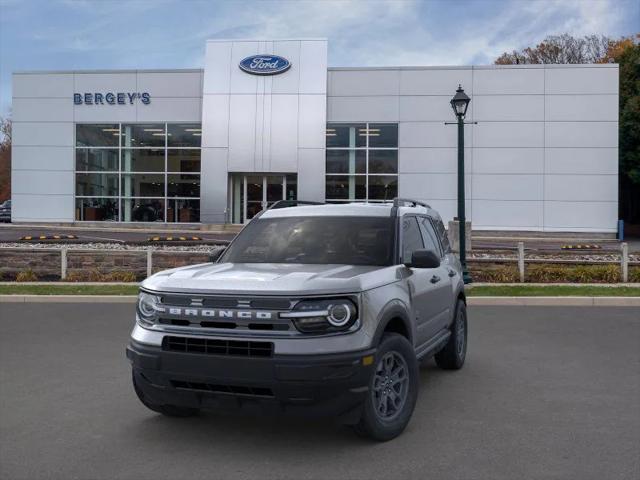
{"x":385,"y":416}
{"x":452,"y":356}
{"x":168,"y":410}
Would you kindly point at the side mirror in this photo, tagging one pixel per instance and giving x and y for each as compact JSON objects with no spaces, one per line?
{"x":215,"y":255}
{"x":424,"y":259}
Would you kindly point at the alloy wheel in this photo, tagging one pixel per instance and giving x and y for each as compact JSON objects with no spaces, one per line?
{"x":390,"y":385}
{"x":461,"y":332}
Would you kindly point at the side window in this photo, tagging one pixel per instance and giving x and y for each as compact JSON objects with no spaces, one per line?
{"x":442,"y":233}
{"x":411,"y":238}
{"x":429,"y":236}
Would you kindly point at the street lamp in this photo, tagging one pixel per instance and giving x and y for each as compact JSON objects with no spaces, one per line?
{"x":460,"y":103}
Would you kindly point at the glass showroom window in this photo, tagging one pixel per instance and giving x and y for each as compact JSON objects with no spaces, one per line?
{"x":361,"y":162}
{"x":138,"y":172}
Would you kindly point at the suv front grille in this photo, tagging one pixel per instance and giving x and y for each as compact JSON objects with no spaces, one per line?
{"x":231,"y":389}
{"x":209,"y":346}
{"x":227,"y":302}
{"x":237,"y":314}
{"x":277,"y":325}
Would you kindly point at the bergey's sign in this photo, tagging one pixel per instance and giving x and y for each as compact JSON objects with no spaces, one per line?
{"x":110,"y":98}
{"x":265,"y":64}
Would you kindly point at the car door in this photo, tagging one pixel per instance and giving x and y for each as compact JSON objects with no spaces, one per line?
{"x":419,"y":282}
{"x":441,"y":280}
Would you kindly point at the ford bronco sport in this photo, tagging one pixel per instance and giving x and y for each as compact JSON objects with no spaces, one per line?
{"x":318,"y":309}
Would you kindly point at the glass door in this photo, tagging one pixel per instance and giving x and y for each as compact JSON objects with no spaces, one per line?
{"x":255,"y":201}
{"x":275,"y":189}
{"x":249,"y":194}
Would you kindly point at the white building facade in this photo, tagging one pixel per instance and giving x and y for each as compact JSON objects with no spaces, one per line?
{"x":216,"y":145}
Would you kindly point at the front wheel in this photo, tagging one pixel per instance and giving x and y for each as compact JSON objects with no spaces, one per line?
{"x":452,"y":356}
{"x":393,"y":390}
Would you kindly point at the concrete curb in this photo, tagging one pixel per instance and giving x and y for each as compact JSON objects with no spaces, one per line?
{"x":68,"y":298}
{"x":598,"y":285}
{"x":75,"y":284}
{"x":473,"y":301}
{"x":556,"y":301}
{"x":468,"y":287}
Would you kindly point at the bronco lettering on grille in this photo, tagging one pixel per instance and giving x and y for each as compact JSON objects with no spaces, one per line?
{"x":215,"y":313}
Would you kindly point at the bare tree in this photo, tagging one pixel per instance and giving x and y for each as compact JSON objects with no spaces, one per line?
{"x":5,"y":159}
{"x":560,"y":49}
{"x":5,"y":131}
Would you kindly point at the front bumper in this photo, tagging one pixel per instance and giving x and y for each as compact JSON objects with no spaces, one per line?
{"x":317,"y":385}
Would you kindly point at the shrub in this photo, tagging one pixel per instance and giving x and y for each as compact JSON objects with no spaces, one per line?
{"x":97,"y":276}
{"x":121,"y":276}
{"x":26,"y":276}
{"x":634,"y":274}
{"x":75,"y":277}
{"x":545,"y":273}
{"x":551,"y":273}
{"x":494,"y":273}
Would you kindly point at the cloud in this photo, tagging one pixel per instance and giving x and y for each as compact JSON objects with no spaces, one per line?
{"x":432,"y":33}
{"x":70,"y":34}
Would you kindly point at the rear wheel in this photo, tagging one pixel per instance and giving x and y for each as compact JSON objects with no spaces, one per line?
{"x":452,"y":356}
{"x":393,"y":390}
{"x":168,"y":410}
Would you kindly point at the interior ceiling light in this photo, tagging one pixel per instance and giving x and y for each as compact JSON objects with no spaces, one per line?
{"x":153,"y":129}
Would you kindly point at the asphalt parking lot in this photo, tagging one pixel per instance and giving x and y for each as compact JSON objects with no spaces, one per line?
{"x":546,"y":393}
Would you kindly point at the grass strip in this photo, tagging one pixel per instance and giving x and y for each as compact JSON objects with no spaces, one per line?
{"x":79,"y":289}
{"x":552,"y":291}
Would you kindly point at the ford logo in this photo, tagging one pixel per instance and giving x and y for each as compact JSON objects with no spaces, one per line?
{"x":265,"y":64}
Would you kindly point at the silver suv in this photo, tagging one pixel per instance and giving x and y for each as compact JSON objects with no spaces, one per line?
{"x":312,"y":309}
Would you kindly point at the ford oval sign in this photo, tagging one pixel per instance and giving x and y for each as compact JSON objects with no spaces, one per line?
{"x":265,"y":64}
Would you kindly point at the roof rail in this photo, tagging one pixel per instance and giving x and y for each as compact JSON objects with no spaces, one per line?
{"x":399,"y":202}
{"x":292,"y":203}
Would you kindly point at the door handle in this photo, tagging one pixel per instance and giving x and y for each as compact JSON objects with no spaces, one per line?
{"x":435,"y":279}
{"x":452,"y":273}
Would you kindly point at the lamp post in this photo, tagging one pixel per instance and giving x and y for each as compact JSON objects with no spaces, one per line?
{"x":460,"y":103}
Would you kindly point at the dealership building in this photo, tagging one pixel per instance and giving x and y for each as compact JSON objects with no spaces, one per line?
{"x":270,"y":120}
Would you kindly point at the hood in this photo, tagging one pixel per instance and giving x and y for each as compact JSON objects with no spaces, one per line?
{"x":271,"y":279}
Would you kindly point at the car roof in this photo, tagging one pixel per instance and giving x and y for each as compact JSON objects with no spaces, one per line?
{"x":345,"y":210}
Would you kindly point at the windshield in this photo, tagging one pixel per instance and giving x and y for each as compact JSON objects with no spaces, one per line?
{"x":317,"y":240}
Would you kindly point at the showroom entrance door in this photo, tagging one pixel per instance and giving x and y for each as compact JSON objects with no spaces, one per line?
{"x":252,"y":192}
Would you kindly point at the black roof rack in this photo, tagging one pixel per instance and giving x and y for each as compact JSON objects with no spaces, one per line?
{"x":400,"y":202}
{"x":292,"y":203}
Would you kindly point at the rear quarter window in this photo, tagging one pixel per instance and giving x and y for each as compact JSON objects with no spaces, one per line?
{"x":442,"y":234}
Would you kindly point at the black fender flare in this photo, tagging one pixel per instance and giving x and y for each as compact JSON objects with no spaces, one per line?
{"x":394,"y":309}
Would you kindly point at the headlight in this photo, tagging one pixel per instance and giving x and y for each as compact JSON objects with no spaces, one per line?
{"x":340,"y":314}
{"x":148,"y":308}
{"x":323,"y":316}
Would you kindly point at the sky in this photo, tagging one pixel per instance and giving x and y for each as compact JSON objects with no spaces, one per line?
{"x":114,"y":34}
